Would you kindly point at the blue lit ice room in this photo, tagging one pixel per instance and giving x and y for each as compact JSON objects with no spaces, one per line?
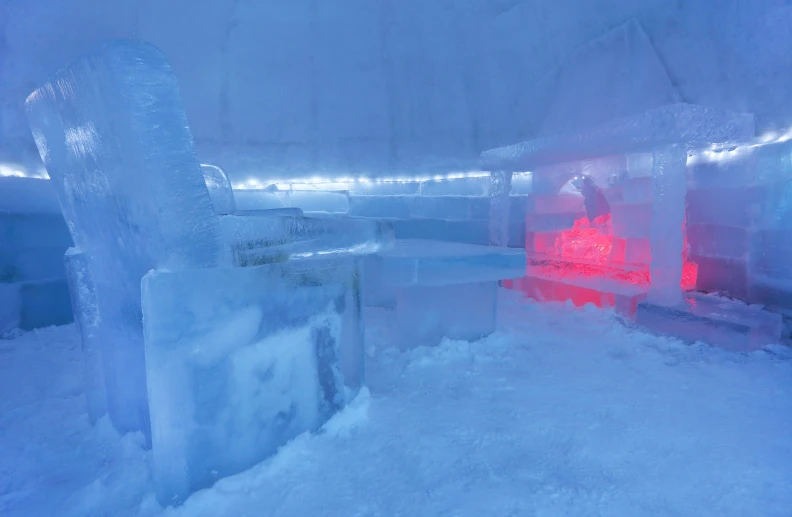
{"x":470,"y":258}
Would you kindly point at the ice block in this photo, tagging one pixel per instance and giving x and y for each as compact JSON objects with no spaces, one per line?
{"x":500,"y":190}
{"x":380,"y":206}
{"x":113,"y":136}
{"x":220,"y":189}
{"x":441,"y":288}
{"x":85,"y":306}
{"x":715,"y":320}
{"x":336,"y":202}
{"x":265,"y":238}
{"x":261,"y":199}
{"x":241,"y":360}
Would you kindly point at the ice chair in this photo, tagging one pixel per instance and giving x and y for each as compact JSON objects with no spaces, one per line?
{"x":219,"y":337}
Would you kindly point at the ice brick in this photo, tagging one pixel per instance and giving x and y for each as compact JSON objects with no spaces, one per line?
{"x":471,"y":232}
{"x":636,"y":190}
{"x":727,"y":275}
{"x":714,"y":320}
{"x":471,"y":186}
{"x":551,"y":222}
{"x":738,"y":206}
{"x":85,"y":306}
{"x":380,"y":206}
{"x":771,"y":253}
{"x":559,"y":204}
{"x":775,"y":293}
{"x":632,"y":221}
{"x":239,"y":361}
{"x":113,"y":135}
{"x":500,"y":202}
{"x":460,"y":208}
{"x":426,"y":314}
{"x":261,"y":239}
{"x":716,"y":240}
{"x":249,"y":199}
{"x":320,"y":200}
{"x":220,"y":189}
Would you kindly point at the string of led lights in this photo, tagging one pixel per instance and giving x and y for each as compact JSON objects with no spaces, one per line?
{"x":714,"y":154}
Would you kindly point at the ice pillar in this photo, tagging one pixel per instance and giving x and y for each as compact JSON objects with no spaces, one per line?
{"x":669,"y":187}
{"x":500,"y":189}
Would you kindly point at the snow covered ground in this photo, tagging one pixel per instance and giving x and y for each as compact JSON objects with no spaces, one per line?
{"x":562,"y":412}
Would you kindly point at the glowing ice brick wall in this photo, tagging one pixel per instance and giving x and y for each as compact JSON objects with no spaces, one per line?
{"x":304,"y":87}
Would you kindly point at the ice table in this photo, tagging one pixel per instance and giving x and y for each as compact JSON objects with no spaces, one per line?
{"x":712,"y":319}
{"x":440,"y":289}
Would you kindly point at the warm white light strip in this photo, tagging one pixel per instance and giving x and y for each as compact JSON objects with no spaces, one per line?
{"x":294,"y":184}
{"x":720,"y":153}
{"x":715,"y":154}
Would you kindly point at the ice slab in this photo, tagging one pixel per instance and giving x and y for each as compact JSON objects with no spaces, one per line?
{"x":470,"y":232}
{"x":771,"y":253}
{"x":414,"y":262}
{"x":9,"y":306}
{"x":85,"y":306}
{"x":676,"y":123}
{"x":380,"y":206}
{"x":114,"y":138}
{"x":267,"y":237}
{"x":500,"y":208}
{"x":714,"y":320}
{"x":731,"y":206}
{"x":717,"y":240}
{"x":428,"y":313}
{"x":220,"y":189}
{"x":249,"y":199}
{"x":725,"y":275}
{"x":470,"y":186}
{"x":622,"y":75}
{"x":632,"y":221}
{"x":320,"y":200}
{"x":239,"y":361}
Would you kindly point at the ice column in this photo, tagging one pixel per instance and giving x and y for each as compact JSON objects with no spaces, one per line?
{"x":669,"y":188}
{"x":500,"y":189}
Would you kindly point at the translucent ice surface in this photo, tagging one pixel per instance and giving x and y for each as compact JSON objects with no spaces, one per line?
{"x":85,"y":306}
{"x":219,"y":189}
{"x":718,"y":321}
{"x":241,"y":360}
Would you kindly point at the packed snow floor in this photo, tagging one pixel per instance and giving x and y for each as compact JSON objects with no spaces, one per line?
{"x":563,"y":412}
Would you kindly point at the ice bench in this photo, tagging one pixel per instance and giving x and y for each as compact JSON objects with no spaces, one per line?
{"x":440,"y":289}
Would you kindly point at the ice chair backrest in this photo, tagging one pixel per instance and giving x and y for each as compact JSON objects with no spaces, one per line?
{"x":114,"y":137}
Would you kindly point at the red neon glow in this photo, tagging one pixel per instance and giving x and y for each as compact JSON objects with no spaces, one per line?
{"x":594,"y":253}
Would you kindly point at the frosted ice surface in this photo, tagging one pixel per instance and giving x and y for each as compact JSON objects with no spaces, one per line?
{"x":718,"y":321}
{"x":220,"y":189}
{"x":500,"y":202}
{"x":615,"y":75}
{"x":669,"y":186}
{"x":677,"y":123}
{"x":241,"y":360}
{"x":272,"y":237}
{"x":428,"y":313}
{"x":414,"y":262}
{"x":112,"y":133}
{"x":85,"y":306}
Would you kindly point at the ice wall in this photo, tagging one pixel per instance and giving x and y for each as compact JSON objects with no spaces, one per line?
{"x":394,"y":85}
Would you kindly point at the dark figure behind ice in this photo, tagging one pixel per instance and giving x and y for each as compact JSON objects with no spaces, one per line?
{"x":595,"y":202}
